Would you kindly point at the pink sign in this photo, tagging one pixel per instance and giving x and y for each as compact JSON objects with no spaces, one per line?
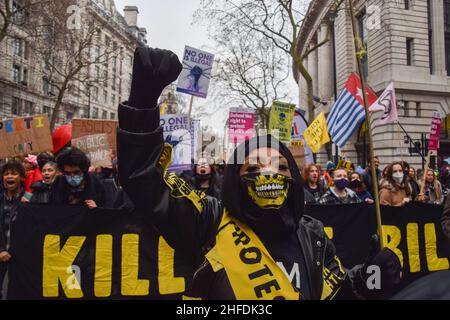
{"x":241,"y":125}
{"x":435,"y":133}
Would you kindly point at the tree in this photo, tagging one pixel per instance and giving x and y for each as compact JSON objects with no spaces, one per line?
{"x":251,"y":72}
{"x":15,"y":13}
{"x":277,"y":20}
{"x":67,"y":39}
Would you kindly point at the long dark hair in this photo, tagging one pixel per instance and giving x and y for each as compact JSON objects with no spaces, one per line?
{"x":404,"y":185}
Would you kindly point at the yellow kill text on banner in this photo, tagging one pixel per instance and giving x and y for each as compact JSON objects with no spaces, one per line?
{"x":317,"y":133}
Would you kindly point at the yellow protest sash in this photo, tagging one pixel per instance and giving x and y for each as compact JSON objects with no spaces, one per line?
{"x":252,"y":272}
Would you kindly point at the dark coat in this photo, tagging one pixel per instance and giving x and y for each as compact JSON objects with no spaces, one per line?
{"x":189,"y":220}
{"x":93,"y":190}
{"x":41,"y":193}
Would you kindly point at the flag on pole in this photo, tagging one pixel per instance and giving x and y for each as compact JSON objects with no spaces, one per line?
{"x":387,"y":103}
{"x":348,"y":112}
{"x":317,"y":133}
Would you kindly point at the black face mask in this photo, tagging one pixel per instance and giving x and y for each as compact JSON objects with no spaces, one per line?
{"x":355,"y":184}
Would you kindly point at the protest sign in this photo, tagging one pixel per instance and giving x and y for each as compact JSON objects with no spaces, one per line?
{"x":196,"y":74}
{"x":346,"y":165}
{"x":241,"y":125}
{"x":281,"y":121}
{"x":96,"y":148}
{"x":178,"y":133}
{"x":435,"y":133}
{"x":317,"y":133}
{"x":87,"y":127}
{"x":21,"y":136}
{"x":298,"y":129}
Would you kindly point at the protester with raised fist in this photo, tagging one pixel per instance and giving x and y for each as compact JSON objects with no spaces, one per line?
{"x":254,"y":239}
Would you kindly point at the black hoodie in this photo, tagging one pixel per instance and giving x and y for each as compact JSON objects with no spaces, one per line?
{"x":189,"y":220}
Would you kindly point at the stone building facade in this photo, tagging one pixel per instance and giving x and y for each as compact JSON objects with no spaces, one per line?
{"x":24,"y":90}
{"x":408,"y":42}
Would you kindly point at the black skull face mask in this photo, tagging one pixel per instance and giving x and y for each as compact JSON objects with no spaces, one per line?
{"x":267,"y":191}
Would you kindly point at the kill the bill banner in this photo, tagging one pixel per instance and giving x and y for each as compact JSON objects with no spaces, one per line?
{"x":74,"y":253}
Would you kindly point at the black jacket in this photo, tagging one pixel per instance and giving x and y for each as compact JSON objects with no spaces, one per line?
{"x":5,"y":230}
{"x":189,"y":220}
{"x":93,"y":190}
{"x":41,"y":193}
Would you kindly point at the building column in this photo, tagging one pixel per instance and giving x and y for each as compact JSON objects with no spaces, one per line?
{"x":325,"y":67}
{"x":312,"y":67}
{"x":437,"y":20}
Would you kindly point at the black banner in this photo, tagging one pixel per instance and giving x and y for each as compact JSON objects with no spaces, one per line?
{"x":74,"y":253}
{"x":413,"y":232}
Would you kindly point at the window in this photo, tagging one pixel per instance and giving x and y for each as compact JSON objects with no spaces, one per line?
{"x":113,"y":99}
{"x":28,"y":110}
{"x":97,"y":72}
{"x":105,"y":96}
{"x":95,"y":93}
{"x":16,"y":108}
{"x":16,"y":73}
{"x":113,"y":116}
{"x":407,"y":4}
{"x":104,"y":115}
{"x":409,"y":51}
{"x":430,"y":36}
{"x":47,"y":110}
{"x":95,"y":113}
{"x":25,"y":77}
{"x":17,"y":47}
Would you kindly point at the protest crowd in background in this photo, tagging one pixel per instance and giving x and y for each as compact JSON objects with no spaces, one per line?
{"x":66,"y":175}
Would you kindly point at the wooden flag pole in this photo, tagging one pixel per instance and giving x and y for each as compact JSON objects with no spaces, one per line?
{"x":360,"y":53}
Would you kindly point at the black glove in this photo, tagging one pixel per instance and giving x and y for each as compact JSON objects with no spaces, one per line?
{"x":153,"y":70}
{"x":390,"y":267}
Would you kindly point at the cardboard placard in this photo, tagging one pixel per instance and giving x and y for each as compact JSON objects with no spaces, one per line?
{"x":22,"y":136}
{"x":97,"y":149}
{"x":87,"y":127}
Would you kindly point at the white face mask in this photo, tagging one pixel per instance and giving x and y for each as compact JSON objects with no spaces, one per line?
{"x":398,"y":177}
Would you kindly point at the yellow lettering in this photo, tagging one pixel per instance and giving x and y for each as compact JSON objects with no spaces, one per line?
{"x":103,"y":266}
{"x":39,"y":122}
{"x":330,"y":233}
{"x":433,"y":261}
{"x":131,"y":285}
{"x":168,"y":283}
{"x":391,"y":238}
{"x":57,"y":262}
{"x":412,"y":231}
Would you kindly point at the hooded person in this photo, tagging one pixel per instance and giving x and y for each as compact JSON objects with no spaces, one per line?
{"x":204,"y":178}
{"x":260,"y":222}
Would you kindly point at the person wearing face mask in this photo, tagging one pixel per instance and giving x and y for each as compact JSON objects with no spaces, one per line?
{"x":258,"y":242}
{"x":13,"y":177}
{"x":42,"y":190}
{"x":76,"y":186}
{"x":395,"y":190}
{"x":340,"y":193}
{"x":204,"y":178}
{"x":358,"y":186}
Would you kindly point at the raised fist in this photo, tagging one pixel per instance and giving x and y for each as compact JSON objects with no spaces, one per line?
{"x":153,"y":70}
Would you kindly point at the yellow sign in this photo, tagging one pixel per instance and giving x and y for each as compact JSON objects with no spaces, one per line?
{"x":282,"y":120}
{"x":317,"y":133}
{"x":347,"y":165}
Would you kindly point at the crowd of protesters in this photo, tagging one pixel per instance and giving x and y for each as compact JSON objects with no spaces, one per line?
{"x":68,"y":179}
